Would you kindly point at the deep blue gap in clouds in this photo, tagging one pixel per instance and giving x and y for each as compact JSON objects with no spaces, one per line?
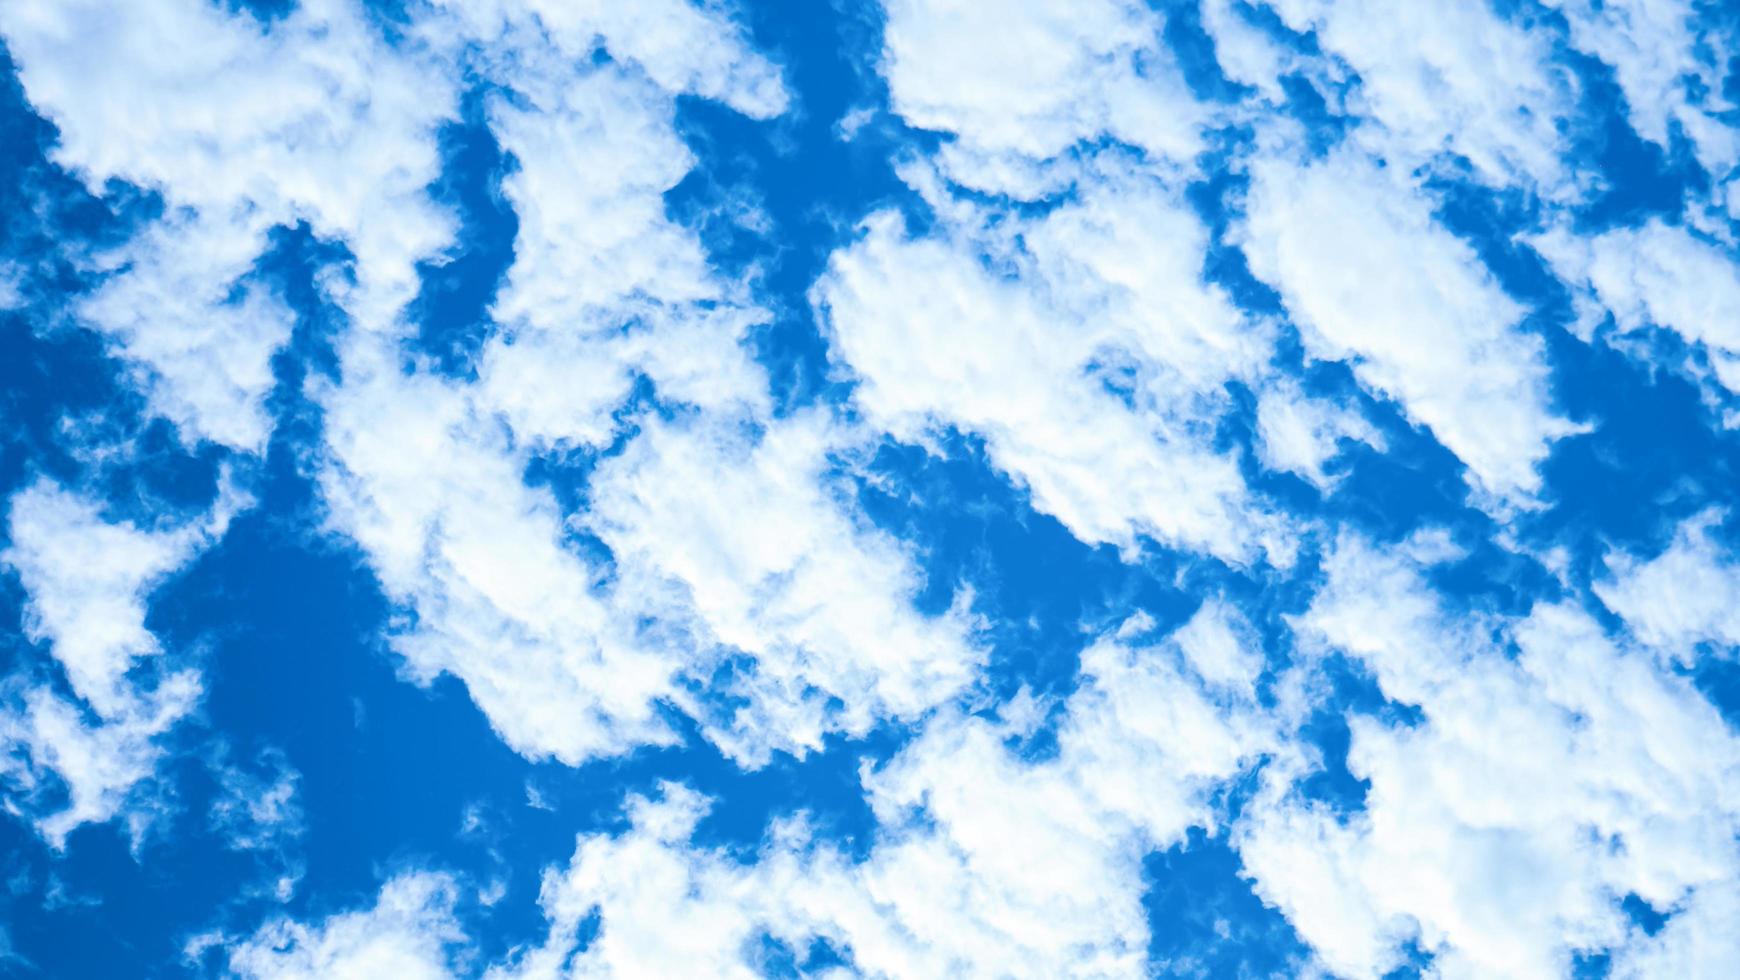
{"x":51,"y":368}
{"x":1639,"y":180}
{"x":1049,"y":592}
{"x":811,"y":185}
{"x":451,"y":310}
{"x":1207,"y":921}
{"x":267,"y":12}
{"x":775,"y":959}
{"x":1193,"y":51}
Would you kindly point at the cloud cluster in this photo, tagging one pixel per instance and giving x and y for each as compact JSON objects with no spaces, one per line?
{"x":1682,"y":597}
{"x":410,"y":932}
{"x":569,"y":655}
{"x":1083,"y":347}
{"x":986,"y":860}
{"x":1436,"y":332}
{"x":1054,"y":81}
{"x":1551,"y":773}
{"x":1663,"y":277}
{"x":91,"y":721}
{"x":1441,"y":79}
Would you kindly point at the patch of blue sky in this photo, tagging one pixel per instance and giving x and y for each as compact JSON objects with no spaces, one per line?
{"x":52,"y":371}
{"x":771,"y":199}
{"x":452,"y":308}
{"x":1193,"y":49}
{"x":1208,"y":921}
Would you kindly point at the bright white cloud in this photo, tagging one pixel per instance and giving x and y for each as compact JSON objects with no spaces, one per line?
{"x":1442,"y":78}
{"x":1372,"y":279}
{"x":603,"y":285}
{"x":204,"y":354}
{"x":1301,"y":434}
{"x":316,"y":120}
{"x":411,"y":932}
{"x":985,"y":863}
{"x":772,"y":562}
{"x":436,"y":498}
{"x":1054,"y":79}
{"x":679,"y":46}
{"x":571,"y":657}
{"x":101,"y":766}
{"x":721,"y":543}
{"x":1090,"y":358}
{"x":87,"y":582}
{"x":1538,"y":789}
{"x":1681,"y":597}
{"x":1670,"y":71}
{"x":1220,"y":647}
{"x":590,"y":247}
{"x":1246,"y":53}
{"x":1656,"y":275}
{"x":319,"y":120}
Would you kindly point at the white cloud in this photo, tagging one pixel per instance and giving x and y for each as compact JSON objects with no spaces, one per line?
{"x":1656,"y":275}
{"x":720,"y":542}
{"x":1220,"y":647}
{"x":1667,"y":71}
{"x":603,"y":285}
{"x":1301,"y":434}
{"x":1245,"y":52}
{"x":1090,"y":357}
{"x":87,"y":581}
{"x":1681,"y":597}
{"x":315,"y":120}
{"x":723,"y":542}
{"x":320,"y":120}
{"x":681,"y":47}
{"x":410,"y":932}
{"x":1370,"y":278}
{"x":772,"y":562}
{"x":594,"y":246}
{"x":1538,"y":789}
{"x":1449,"y":78}
{"x":1699,"y":941}
{"x":1055,"y":78}
{"x":101,"y":765}
{"x":205,"y":357}
{"x":985,"y":863}
{"x":436,"y":498}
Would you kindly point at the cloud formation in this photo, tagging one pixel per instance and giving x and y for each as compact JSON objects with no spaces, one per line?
{"x":879,"y":484}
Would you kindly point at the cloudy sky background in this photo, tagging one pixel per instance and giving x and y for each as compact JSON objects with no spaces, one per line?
{"x":533,"y":488}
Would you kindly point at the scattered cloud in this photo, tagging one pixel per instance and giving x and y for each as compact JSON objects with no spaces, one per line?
{"x":87,"y":580}
{"x":1134,"y":291}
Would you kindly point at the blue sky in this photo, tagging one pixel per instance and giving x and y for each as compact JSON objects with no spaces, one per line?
{"x":539,"y":489}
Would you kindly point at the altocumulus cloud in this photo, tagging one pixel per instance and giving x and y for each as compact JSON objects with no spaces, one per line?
{"x":530,"y":488}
